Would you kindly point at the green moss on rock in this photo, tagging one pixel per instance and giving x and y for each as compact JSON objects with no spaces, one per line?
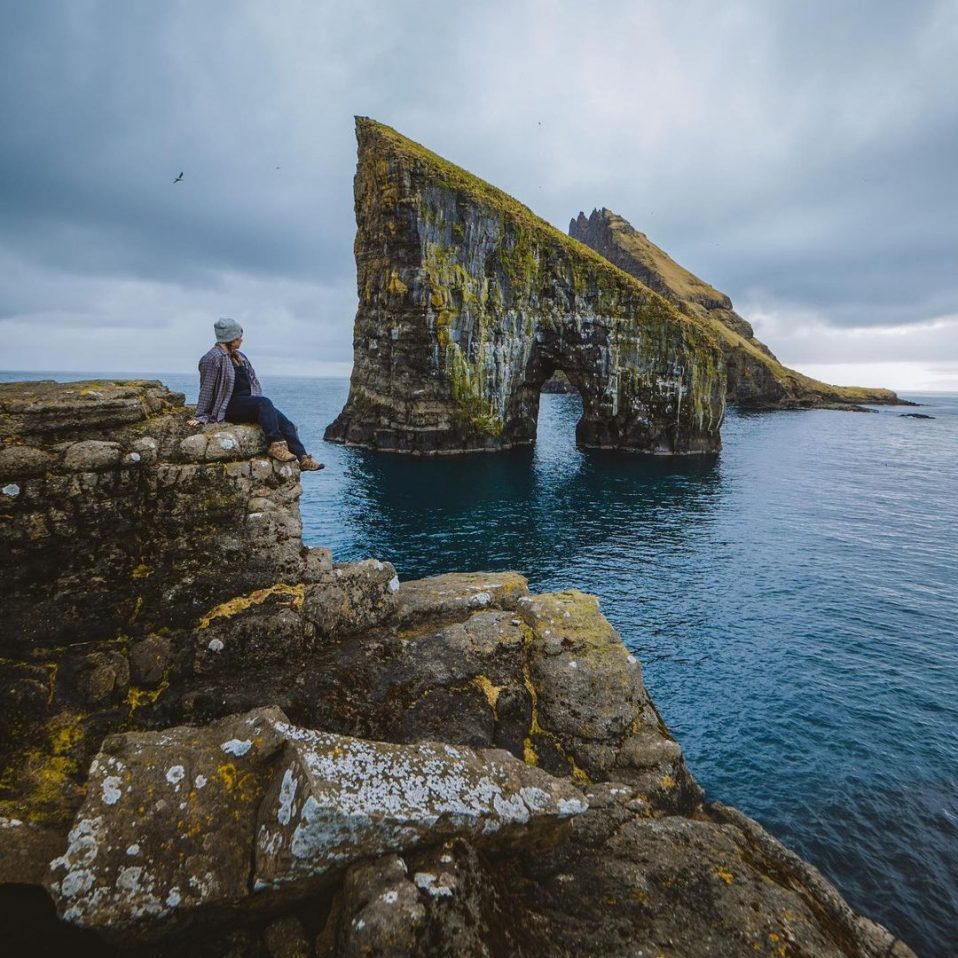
{"x":494,"y":300}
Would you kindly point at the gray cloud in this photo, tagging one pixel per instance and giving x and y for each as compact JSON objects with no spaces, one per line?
{"x":798,"y":156}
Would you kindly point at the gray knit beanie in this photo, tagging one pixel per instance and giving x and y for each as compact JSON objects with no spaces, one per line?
{"x":227,"y":330}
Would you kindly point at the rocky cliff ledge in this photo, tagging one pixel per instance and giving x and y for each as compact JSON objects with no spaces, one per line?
{"x":218,"y":742}
{"x":756,"y":379}
{"x":468,"y":302}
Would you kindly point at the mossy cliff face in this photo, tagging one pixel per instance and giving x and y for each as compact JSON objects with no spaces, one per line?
{"x":468,"y":302}
{"x":756,"y":379}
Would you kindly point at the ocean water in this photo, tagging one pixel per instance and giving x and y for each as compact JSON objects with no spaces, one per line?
{"x":793,"y":601}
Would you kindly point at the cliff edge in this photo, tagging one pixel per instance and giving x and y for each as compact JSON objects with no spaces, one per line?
{"x":216,"y":741}
{"x":756,"y":379}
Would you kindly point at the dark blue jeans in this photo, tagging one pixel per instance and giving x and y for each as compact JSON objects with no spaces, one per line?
{"x":276,"y":426}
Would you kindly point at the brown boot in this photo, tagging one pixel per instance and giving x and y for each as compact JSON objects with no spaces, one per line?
{"x":279,"y":450}
{"x":309,"y":464}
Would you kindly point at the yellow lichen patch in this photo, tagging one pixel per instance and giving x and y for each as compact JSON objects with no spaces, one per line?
{"x":43,"y":779}
{"x":576,"y":615}
{"x":137,"y":697}
{"x":666,"y":781}
{"x":241,"y":603}
{"x":141,"y":571}
{"x":780,"y":947}
{"x":64,"y":732}
{"x":490,"y":691}
{"x":396,"y":285}
{"x":137,"y":608}
{"x":228,"y":775}
{"x":724,"y":874}
{"x":578,"y":774}
{"x":528,"y":747}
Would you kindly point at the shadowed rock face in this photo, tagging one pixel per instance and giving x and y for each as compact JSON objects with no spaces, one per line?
{"x":468,"y":303}
{"x":756,"y":379}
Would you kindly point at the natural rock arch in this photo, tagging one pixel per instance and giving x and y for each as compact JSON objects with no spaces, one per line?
{"x":468,"y":302}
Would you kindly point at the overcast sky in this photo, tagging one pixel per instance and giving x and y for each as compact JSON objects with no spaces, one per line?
{"x":802,"y":157}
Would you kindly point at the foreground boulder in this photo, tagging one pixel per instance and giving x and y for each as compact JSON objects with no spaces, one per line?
{"x":174,"y":819}
{"x":468,"y":303}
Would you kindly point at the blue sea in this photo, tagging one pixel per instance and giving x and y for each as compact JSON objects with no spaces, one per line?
{"x":793,"y":600}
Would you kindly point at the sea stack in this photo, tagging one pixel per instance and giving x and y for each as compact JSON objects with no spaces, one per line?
{"x":468,"y":303}
{"x":756,"y":379}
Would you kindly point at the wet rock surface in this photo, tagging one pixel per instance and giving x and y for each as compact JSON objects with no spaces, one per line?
{"x":756,"y":379}
{"x":468,"y":303}
{"x":252,"y":750}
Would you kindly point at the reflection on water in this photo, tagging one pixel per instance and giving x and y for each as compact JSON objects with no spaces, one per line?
{"x":531,"y":509}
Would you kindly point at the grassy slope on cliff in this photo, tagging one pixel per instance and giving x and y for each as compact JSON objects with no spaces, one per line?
{"x":695,"y":292}
{"x":447,"y":174}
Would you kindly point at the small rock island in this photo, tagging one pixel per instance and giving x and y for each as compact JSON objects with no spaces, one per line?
{"x":217,"y":741}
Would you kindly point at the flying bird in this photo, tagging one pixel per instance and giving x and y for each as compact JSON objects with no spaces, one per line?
{"x":180,"y":177}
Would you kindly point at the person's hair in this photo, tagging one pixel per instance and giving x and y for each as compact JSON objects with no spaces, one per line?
{"x":233,"y":353}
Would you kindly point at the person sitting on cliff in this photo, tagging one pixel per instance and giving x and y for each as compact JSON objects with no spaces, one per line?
{"x":230,"y":391}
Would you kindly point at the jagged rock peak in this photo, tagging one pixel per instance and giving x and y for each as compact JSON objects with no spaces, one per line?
{"x":612,"y":236}
{"x":468,"y":302}
{"x":755,"y":377}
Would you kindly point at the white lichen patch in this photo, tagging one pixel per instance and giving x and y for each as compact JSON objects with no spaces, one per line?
{"x":199,"y":781}
{"x":287,"y":795}
{"x":389,"y":897}
{"x":11,"y":489}
{"x":481,"y":599}
{"x":175,"y":774}
{"x":133,"y":850}
{"x":571,"y":806}
{"x":237,"y":747}
{"x":346,"y":799}
{"x":215,"y":645}
{"x":394,"y":584}
{"x":111,"y":789}
{"x":76,"y":883}
{"x":430,"y":884}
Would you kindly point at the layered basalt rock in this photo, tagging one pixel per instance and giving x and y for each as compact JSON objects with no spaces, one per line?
{"x":756,"y":379}
{"x":468,"y":303}
{"x":459,"y":767}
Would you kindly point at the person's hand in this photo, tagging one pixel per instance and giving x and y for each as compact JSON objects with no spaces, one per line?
{"x":193,"y":422}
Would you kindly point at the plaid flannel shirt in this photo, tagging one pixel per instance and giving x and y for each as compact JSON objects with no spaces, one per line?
{"x":216,"y":384}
